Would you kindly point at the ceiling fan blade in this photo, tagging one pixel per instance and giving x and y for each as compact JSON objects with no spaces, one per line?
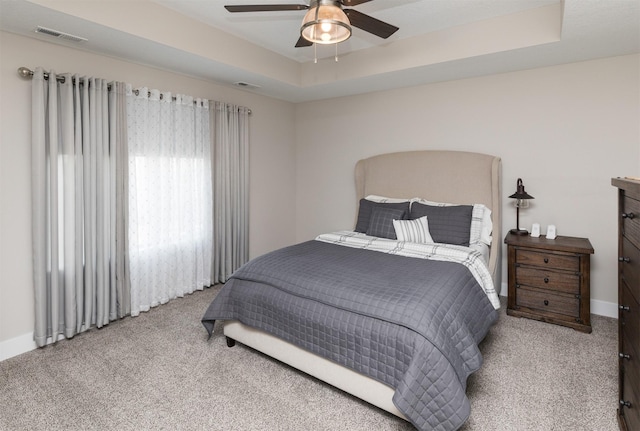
{"x":265,"y":7}
{"x":302,"y":42}
{"x":370,"y":24}
{"x":353,"y":2}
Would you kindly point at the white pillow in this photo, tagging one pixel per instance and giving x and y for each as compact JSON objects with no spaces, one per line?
{"x":386,"y":200}
{"x":413,"y":230}
{"x":481,"y":224}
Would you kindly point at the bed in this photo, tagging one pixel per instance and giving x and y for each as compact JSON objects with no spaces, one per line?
{"x":395,"y":323}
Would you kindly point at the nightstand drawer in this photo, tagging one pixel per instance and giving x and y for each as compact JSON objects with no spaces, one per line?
{"x":552,"y":280}
{"x":549,"y":302}
{"x":631,"y":220}
{"x":547,"y":260}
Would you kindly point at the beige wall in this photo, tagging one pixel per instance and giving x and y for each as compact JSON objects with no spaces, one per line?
{"x":272,"y":164}
{"x":564,"y":130}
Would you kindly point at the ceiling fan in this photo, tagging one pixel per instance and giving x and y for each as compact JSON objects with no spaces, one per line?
{"x":326,"y":21}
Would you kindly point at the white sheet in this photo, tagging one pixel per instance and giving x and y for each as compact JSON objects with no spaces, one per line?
{"x":484,"y":251}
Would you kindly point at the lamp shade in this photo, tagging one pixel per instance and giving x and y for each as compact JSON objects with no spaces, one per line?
{"x":520,"y":192}
{"x":325,"y":22}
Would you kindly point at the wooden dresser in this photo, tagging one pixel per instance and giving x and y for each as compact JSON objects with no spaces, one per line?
{"x":628,"y":302}
{"x":549,"y":279}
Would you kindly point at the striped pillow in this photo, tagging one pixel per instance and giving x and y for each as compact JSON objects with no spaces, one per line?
{"x":413,"y":230}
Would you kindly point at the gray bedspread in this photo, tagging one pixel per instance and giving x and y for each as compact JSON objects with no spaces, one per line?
{"x":412,"y":324}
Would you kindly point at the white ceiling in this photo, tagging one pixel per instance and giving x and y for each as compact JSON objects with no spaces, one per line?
{"x":279,"y":31}
{"x":438,"y":39}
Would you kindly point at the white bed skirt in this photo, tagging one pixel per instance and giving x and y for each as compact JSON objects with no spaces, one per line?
{"x":363,"y":387}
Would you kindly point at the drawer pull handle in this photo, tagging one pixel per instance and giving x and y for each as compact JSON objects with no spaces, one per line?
{"x":624,"y":259}
{"x":546,"y":302}
{"x":624,"y":403}
{"x":546,"y":279}
{"x":623,"y":307}
{"x":630,"y":216}
{"x":546,"y":260}
{"x":624,"y":356}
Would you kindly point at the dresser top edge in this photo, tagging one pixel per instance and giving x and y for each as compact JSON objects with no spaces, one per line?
{"x":631,"y":187}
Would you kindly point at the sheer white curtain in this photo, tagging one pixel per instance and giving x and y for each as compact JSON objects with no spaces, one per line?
{"x":170,"y":202}
{"x":78,"y":132}
{"x":231,"y":188}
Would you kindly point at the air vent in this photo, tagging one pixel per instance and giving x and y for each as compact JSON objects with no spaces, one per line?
{"x":245,"y":85}
{"x":60,"y":34}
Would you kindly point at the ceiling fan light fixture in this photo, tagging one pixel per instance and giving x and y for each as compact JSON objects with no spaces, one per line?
{"x":325,"y":23}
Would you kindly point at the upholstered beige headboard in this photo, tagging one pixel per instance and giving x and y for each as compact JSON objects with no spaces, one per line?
{"x":442,"y":176}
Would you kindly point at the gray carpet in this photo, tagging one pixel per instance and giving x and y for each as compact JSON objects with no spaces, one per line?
{"x":158,"y":371}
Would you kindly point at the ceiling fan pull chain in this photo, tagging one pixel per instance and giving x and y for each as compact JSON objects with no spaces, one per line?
{"x":336,"y":52}
{"x":315,"y":53}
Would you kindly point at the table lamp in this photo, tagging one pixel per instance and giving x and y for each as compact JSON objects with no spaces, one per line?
{"x":521,"y":197}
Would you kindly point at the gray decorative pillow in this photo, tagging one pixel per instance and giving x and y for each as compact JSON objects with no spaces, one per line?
{"x":449,"y":225}
{"x":367,"y":206}
{"x":381,"y":223}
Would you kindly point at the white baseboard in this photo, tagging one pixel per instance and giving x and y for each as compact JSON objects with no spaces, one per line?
{"x":604,"y":308}
{"x":504,"y":289}
{"x":16,"y":346}
{"x":601,"y":308}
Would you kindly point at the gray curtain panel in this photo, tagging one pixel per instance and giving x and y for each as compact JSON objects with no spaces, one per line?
{"x":74,"y":202}
{"x":230,"y":153}
{"x":119,"y":164}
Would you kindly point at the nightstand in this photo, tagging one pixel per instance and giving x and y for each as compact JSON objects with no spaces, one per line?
{"x":549,"y":279}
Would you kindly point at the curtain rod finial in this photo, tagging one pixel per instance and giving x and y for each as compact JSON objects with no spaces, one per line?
{"x":25,"y":72}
